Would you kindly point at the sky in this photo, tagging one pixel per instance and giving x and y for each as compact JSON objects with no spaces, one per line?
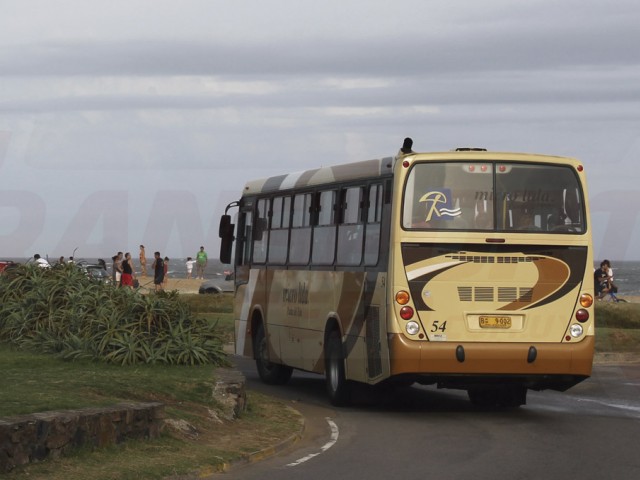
{"x":135,"y":122}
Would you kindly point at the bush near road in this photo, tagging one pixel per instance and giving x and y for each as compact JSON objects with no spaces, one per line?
{"x":61,"y":310}
{"x":34,"y":382}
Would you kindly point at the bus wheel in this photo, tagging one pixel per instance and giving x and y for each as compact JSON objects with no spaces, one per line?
{"x":270,"y":373}
{"x":498,"y":397}
{"x":338,"y":388}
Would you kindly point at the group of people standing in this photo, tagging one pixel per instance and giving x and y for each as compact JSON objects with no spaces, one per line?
{"x":124,"y":267}
{"x":603,"y":281}
{"x":160,"y":267}
{"x":123,"y":273}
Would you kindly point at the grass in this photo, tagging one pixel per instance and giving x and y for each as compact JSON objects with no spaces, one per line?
{"x":617,"y":327}
{"x":215,"y":308}
{"x":33,"y":382}
{"x":264,"y":423}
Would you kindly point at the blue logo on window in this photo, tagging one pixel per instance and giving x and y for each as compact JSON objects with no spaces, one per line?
{"x":439,"y":205}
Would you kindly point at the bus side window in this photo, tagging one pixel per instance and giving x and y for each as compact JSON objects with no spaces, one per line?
{"x":247,"y":237}
{"x":372,"y":227}
{"x":261,"y":232}
{"x":350,"y":230}
{"x":279,"y":231}
{"x":300,"y":244}
{"x":324,"y":233}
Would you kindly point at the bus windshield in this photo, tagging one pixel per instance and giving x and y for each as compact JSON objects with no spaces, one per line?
{"x":493,"y":196}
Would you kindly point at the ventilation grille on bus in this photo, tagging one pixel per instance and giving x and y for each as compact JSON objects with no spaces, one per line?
{"x":491,"y":294}
{"x":463,"y":257}
{"x":374,"y":358}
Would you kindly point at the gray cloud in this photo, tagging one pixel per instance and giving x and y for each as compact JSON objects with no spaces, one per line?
{"x":141,"y":102}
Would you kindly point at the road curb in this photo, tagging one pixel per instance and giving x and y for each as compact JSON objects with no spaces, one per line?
{"x":211,"y":472}
{"x":274,"y":449}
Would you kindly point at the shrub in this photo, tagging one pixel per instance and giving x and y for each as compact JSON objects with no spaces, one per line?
{"x":62,"y":311}
{"x":617,"y":315}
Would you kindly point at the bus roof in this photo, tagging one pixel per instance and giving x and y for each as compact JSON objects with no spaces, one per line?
{"x":336,"y":173}
{"x":384,"y":166}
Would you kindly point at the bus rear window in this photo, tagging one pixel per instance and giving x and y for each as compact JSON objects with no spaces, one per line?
{"x":493,"y":196}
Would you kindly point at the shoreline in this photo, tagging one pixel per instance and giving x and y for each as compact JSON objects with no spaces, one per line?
{"x":191,"y":285}
{"x":182,"y":285}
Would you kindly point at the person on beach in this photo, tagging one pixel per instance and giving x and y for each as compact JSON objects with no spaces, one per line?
{"x":158,"y":271}
{"x":603,"y":282}
{"x":613,"y":289}
{"x":201,"y":263}
{"x":600,"y":283}
{"x":166,"y":272}
{"x":127,"y":271}
{"x":41,"y":262}
{"x":190,"y":263}
{"x":117,"y":269}
{"x":143,"y":261}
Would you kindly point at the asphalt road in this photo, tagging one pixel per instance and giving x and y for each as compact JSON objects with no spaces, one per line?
{"x":590,"y":432}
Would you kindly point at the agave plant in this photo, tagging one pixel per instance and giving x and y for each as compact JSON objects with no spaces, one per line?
{"x":60,"y":310}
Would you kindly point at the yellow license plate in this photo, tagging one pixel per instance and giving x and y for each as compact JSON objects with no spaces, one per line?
{"x":490,"y":321}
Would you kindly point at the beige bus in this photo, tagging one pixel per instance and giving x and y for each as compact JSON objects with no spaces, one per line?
{"x":467,"y":269}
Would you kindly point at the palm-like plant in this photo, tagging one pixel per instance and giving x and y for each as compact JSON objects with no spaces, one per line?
{"x":62,"y":311}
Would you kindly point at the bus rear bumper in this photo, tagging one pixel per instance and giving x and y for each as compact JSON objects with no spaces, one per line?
{"x":537,"y":365}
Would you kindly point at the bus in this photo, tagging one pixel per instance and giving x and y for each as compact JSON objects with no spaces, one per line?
{"x":468,"y":269}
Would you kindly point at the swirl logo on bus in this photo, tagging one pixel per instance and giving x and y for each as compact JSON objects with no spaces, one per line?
{"x":439,"y":205}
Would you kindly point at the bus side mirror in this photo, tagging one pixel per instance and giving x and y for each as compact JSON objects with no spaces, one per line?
{"x":225,"y":232}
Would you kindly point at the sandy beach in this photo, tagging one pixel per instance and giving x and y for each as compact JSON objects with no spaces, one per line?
{"x":182,"y":285}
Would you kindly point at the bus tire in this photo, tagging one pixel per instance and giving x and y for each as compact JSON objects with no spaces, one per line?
{"x":338,"y":388}
{"x":270,"y":373}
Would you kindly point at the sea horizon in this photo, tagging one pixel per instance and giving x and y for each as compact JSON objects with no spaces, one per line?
{"x":626,"y":272}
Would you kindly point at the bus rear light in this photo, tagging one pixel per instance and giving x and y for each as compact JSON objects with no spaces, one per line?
{"x":586,"y":300}
{"x":576,"y":330}
{"x":406,"y":164}
{"x":403,"y":297}
{"x":412,"y":328}
{"x":406,"y":313}
{"x":582,"y":315}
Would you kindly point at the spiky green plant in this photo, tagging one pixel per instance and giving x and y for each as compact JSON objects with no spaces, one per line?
{"x":62,"y":311}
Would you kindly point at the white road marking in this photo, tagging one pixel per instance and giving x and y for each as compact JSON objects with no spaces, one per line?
{"x":630,"y":408}
{"x":332,"y":441}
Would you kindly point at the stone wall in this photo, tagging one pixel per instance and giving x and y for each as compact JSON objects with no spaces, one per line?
{"x":30,"y":438}
{"x":229,"y":391}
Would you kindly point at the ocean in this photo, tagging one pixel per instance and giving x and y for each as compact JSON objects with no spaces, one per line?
{"x":626,"y":273}
{"x":177,"y":266}
{"x":626,"y":276}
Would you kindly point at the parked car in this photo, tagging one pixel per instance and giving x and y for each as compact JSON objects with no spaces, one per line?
{"x":4,"y":264}
{"x":209,"y":287}
{"x":95,"y":271}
